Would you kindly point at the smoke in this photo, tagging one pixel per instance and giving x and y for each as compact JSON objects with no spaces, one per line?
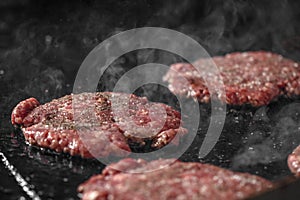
{"x":50,"y":84}
{"x":43,"y":44}
{"x":270,"y":137}
{"x":220,"y":26}
{"x":226,"y":26}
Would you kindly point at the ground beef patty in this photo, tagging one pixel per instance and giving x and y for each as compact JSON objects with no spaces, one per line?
{"x":294,"y":161}
{"x":52,"y":125}
{"x":180,"y":180}
{"x":249,"y":78}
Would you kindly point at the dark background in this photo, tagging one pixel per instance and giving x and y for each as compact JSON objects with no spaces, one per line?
{"x":43,"y":43}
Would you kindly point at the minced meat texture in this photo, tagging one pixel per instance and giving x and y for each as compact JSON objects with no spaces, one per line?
{"x":96,"y":127}
{"x":254,"y":78}
{"x":136,"y":179}
{"x":294,"y":161}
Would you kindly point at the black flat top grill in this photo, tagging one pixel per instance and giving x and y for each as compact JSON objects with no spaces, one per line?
{"x":42,"y":44}
{"x":45,"y":174}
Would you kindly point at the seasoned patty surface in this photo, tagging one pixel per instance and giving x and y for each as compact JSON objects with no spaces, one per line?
{"x":180,"y":180}
{"x":294,"y":161}
{"x":249,"y":78}
{"x":97,"y":126}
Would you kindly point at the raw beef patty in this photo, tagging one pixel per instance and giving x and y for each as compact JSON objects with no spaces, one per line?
{"x":253,"y":78}
{"x":97,"y":126}
{"x":179,"y":180}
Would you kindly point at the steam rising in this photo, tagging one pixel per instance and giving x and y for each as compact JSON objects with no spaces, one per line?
{"x":59,"y":36}
{"x":226,"y":26}
{"x":270,"y":137}
{"x":49,"y":46}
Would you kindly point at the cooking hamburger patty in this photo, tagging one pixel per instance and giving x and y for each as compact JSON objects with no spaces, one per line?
{"x":97,"y":126}
{"x":249,"y":78}
{"x":179,"y":180}
{"x":294,"y":161}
